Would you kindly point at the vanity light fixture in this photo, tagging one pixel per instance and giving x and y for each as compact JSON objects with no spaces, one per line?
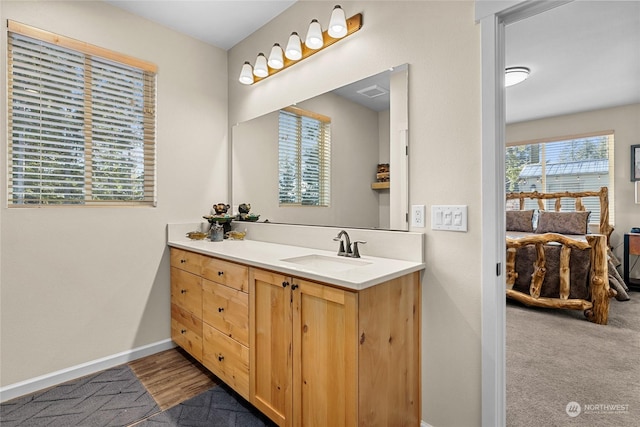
{"x":260,"y":69}
{"x":295,"y":51}
{"x":338,"y":23}
{"x":515,"y":75}
{"x":246,"y":75}
{"x":276,"y":60}
{"x":314,"y":35}
{"x":294,"y":47}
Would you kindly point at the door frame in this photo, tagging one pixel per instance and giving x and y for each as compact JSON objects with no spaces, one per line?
{"x":493,"y":16}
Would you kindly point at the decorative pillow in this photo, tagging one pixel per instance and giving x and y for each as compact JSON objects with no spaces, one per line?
{"x":520,"y":221}
{"x":563,"y":222}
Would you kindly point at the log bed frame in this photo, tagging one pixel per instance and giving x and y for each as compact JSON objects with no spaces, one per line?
{"x":596,"y":309}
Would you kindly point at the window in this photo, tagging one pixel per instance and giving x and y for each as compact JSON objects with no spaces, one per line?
{"x":579,"y":164}
{"x":81,"y":123}
{"x":304,"y":158}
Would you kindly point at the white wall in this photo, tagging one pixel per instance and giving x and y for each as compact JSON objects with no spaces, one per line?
{"x":625,"y":122}
{"x":79,"y":284}
{"x":441,"y":43}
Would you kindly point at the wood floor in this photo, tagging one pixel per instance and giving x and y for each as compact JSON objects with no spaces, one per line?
{"x":172,"y":376}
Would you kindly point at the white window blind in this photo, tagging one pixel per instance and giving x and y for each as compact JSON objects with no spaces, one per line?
{"x":304,"y":158}
{"x":577,"y":164}
{"x":81,"y":124}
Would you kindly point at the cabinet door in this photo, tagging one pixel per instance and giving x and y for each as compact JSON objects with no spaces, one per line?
{"x":270,"y":344}
{"x":325,"y":367}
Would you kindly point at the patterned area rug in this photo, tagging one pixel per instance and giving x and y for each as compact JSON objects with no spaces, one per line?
{"x":219,"y":406}
{"x":114,"y":397}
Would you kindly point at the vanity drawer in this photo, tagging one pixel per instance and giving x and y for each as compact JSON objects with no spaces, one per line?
{"x":186,"y":331}
{"x":226,"y":309}
{"x":227,"y":359}
{"x":185,"y":260}
{"x":186,"y":291}
{"x":226,"y":273}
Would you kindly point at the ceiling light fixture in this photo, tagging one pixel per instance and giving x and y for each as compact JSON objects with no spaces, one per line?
{"x":315,"y":41}
{"x":515,"y":75}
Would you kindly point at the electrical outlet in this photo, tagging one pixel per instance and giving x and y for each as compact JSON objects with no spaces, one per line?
{"x":417,"y":216}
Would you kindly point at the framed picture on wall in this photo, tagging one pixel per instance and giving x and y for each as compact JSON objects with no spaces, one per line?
{"x":635,"y":162}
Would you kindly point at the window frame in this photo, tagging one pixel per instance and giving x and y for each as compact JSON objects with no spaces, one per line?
{"x":147,"y":73}
{"x":610,"y":135}
{"x":324,"y":158}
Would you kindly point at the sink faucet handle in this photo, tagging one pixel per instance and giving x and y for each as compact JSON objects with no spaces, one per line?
{"x":356,"y":252}
{"x":341,"y":251}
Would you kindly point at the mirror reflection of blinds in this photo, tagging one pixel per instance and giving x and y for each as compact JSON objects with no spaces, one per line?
{"x":304,"y":158}
{"x":82,"y":127}
{"x":581,"y":163}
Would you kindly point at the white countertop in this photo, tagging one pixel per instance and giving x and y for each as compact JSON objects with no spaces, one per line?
{"x":270,"y":255}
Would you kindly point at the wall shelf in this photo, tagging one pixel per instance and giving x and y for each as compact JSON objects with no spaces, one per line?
{"x":380,"y":185}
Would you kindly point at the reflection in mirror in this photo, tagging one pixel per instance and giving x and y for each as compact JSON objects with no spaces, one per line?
{"x":369,"y":126}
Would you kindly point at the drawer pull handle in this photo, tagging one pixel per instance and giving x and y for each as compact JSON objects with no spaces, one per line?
{"x":183,"y":331}
{"x":183,"y":291}
{"x":220,"y":309}
{"x":294,"y":287}
{"x":285,"y":284}
{"x":220,"y":273}
{"x":220,"y":358}
{"x":182,"y":261}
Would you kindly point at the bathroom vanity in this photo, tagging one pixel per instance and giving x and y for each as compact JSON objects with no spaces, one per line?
{"x":307,"y":337}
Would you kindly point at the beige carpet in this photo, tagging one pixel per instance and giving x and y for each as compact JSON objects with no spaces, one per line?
{"x":563,"y":370}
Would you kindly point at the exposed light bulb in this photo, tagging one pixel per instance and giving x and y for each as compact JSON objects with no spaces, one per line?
{"x":294,"y":47}
{"x":275,"y":57}
{"x":338,"y":23}
{"x":246,"y":74}
{"x":314,"y":35}
{"x":260,"y":69}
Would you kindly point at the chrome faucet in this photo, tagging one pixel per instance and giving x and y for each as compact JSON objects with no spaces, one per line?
{"x":346,"y":250}
{"x":342,"y":251}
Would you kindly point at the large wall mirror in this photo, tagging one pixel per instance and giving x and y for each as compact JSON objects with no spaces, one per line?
{"x":368,"y":126}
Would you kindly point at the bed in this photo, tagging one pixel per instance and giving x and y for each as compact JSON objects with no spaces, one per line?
{"x":552,"y":259}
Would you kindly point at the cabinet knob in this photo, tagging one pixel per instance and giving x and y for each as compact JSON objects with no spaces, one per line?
{"x":285,"y":284}
{"x":182,"y":261}
{"x":294,"y":287}
{"x":183,"y":331}
{"x":183,"y":291}
{"x":220,"y":273}
{"x":220,"y":309}
{"x":220,"y":357}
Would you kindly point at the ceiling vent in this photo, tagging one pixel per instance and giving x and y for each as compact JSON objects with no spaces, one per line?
{"x":373,"y":91}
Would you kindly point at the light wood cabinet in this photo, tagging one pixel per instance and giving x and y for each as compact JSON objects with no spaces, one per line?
{"x":302,"y":352}
{"x":186,"y":304}
{"x":210,"y":314}
{"x":322,"y":356}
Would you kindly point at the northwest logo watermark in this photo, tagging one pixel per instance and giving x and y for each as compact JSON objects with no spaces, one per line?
{"x":573,"y":409}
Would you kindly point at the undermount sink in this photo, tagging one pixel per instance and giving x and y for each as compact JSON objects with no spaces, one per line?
{"x":326,"y":263}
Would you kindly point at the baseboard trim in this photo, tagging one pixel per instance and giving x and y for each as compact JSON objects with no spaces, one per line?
{"x":44,"y":381}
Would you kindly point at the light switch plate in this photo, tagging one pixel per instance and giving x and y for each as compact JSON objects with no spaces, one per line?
{"x":449,"y":217}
